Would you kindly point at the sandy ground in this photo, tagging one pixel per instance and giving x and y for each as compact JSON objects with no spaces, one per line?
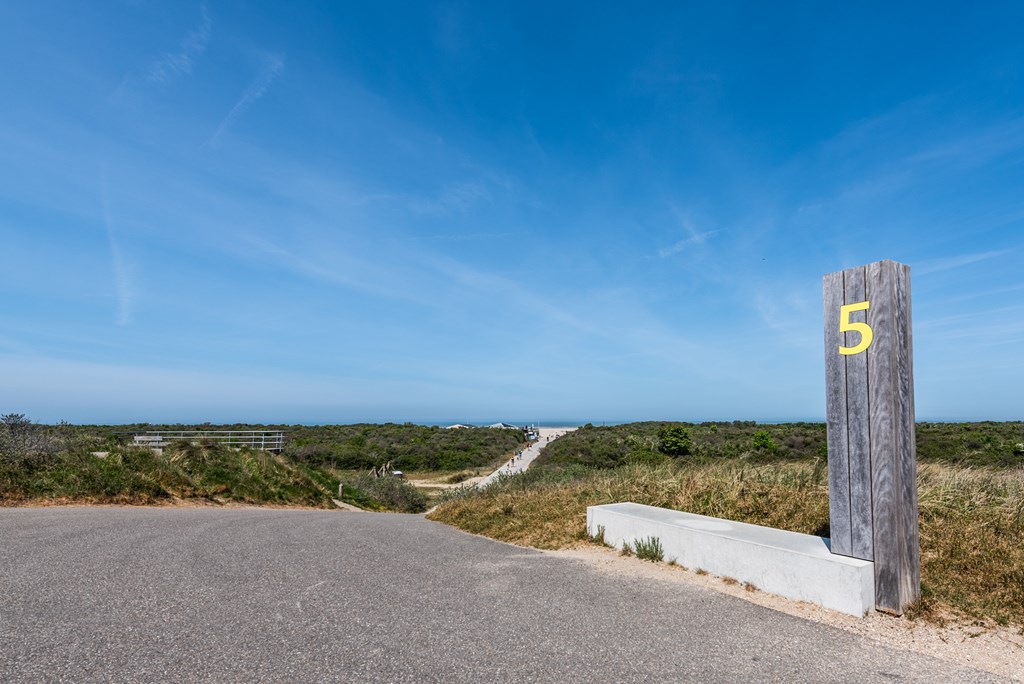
{"x":993,"y":649}
{"x":439,"y":484}
{"x":515,"y":465}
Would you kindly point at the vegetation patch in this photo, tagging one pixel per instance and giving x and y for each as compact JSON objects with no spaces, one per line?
{"x":649,"y":549}
{"x":66,"y":463}
{"x":408,"y":447}
{"x":137,"y":475}
{"x":384,"y":494}
{"x":975,"y":444}
{"x":971,"y":511}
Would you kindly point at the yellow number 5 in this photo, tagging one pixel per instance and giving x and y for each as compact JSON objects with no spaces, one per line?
{"x":846,"y":325}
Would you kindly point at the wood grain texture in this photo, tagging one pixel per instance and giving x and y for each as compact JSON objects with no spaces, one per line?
{"x":858,"y":396}
{"x":871,"y":432}
{"x":910,"y":551}
{"x":835,"y":405}
{"x":884,"y":472}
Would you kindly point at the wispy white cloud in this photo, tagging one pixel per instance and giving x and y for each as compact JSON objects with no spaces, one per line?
{"x":505,"y":290}
{"x":458,"y":197}
{"x":192,"y":46}
{"x":975,"y":146}
{"x":695,"y":239}
{"x":949,"y":263}
{"x":171,"y":65}
{"x":296,"y":263}
{"x":273,"y":66}
{"x":123,"y":282}
{"x":462,"y":237}
{"x":348,"y":266}
{"x":616,"y":318}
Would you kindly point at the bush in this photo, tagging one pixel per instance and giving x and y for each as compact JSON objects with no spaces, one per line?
{"x":675,"y":440}
{"x":24,"y":442}
{"x":763,"y":441}
{"x":646,"y":457}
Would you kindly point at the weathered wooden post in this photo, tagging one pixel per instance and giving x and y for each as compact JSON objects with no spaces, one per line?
{"x":872,"y":457}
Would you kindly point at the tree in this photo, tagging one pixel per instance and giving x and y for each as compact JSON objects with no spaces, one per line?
{"x":675,"y":440}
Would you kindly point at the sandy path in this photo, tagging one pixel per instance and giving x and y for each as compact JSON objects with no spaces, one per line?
{"x":521,"y":463}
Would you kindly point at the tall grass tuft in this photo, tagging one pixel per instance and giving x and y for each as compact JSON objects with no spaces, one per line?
{"x":649,"y":549}
{"x":385,"y":493}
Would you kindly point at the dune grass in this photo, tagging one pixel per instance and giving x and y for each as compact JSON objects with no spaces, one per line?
{"x":94,"y":464}
{"x":971,"y":519}
{"x":137,"y":475}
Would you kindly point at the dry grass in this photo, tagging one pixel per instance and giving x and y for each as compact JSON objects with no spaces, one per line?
{"x":971,"y":520}
{"x":972,"y":543}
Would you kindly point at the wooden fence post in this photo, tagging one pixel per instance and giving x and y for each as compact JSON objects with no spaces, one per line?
{"x":872,"y":457}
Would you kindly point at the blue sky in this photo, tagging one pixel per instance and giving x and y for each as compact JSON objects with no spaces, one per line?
{"x":335,"y":212}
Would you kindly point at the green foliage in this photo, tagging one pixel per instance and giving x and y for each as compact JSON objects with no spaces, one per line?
{"x":645,"y":457}
{"x":675,"y":440}
{"x":986,"y":443}
{"x":408,"y":447}
{"x":763,"y":441}
{"x":128,"y":474}
{"x":649,"y":549}
{"x":612,"y":446}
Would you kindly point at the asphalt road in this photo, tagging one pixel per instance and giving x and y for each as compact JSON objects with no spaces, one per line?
{"x":182,"y":595}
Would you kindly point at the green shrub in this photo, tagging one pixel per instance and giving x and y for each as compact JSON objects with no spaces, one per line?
{"x":649,"y":549}
{"x":675,"y":440}
{"x":646,"y":456}
{"x":763,"y":441}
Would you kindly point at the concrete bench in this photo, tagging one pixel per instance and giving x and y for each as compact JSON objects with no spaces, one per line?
{"x":789,"y":564}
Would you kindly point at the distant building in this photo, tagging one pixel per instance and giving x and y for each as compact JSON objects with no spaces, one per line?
{"x":457,"y":426}
{"x":504,"y":426}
